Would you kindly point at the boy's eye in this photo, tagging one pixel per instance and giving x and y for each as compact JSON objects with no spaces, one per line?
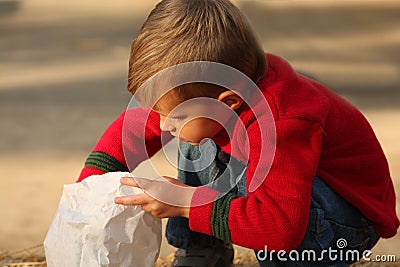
{"x":182,"y":117}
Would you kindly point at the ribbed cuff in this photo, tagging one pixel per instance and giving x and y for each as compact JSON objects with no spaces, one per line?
{"x":219,"y":217}
{"x":201,"y":208}
{"x":104,"y":162}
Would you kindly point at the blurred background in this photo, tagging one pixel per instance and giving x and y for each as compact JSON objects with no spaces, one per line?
{"x":63,"y":68}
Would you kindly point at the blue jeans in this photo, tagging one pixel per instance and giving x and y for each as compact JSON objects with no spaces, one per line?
{"x":337,"y":233}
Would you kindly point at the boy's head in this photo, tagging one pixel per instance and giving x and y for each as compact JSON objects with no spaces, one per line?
{"x":179,"y":31}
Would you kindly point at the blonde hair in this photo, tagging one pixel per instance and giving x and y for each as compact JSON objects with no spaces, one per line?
{"x":179,"y":31}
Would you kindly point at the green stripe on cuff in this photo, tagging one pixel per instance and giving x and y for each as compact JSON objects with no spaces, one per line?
{"x":219,"y":217}
{"x":104,"y":162}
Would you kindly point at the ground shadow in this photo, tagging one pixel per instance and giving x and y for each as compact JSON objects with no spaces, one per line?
{"x":340,"y":35}
{"x":9,"y":7}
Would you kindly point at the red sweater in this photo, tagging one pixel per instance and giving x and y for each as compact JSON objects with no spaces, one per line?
{"x":318,"y":133}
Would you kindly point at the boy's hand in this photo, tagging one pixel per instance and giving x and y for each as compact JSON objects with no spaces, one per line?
{"x":164,"y":197}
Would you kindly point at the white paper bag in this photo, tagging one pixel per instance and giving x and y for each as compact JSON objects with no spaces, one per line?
{"x":89,"y":229}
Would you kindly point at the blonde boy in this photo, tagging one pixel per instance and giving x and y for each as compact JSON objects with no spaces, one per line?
{"x":327,"y":181}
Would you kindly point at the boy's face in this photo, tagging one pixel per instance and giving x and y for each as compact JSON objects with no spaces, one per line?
{"x":185,"y":120}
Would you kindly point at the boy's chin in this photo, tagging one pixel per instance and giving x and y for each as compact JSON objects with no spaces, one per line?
{"x":190,"y":142}
{"x":194,"y":143}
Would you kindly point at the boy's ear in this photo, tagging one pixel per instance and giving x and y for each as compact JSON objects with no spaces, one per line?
{"x":231,"y":99}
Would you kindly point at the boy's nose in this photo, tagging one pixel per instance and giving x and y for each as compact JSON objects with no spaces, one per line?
{"x":167,"y":125}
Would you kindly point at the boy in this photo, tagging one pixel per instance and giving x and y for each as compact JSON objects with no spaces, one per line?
{"x":323,"y":183}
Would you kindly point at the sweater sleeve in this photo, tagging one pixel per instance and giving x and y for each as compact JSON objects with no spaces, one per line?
{"x":132,"y":138}
{"x":276,"y":213}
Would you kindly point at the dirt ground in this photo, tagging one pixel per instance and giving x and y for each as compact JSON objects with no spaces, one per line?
{"x":62,"y":81}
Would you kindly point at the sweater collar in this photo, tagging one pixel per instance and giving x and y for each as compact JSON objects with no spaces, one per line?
{"x":279,"y":72}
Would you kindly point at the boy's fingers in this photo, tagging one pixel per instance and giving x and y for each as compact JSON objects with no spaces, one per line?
{"x":136,"y":182}
{"x":129,"y":181}
{"x":141,"y":199}
{"x":163,"y":189}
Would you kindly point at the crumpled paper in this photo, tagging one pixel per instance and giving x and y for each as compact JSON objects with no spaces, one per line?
{"x":89,"y":229}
